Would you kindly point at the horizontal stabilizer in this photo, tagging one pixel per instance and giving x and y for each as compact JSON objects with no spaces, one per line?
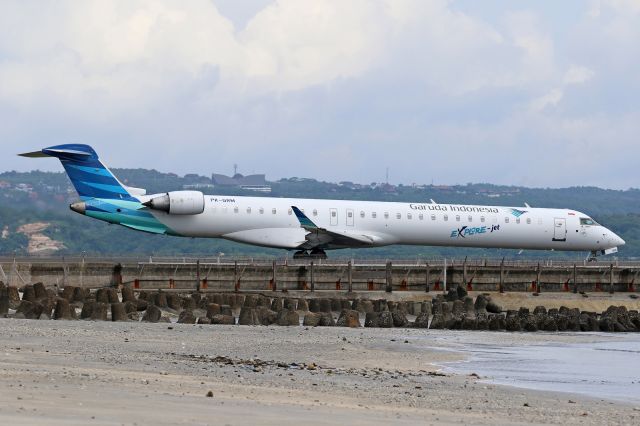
{"x":34,"y":154}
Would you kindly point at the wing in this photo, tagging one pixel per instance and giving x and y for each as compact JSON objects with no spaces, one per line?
{"x":322,"y":238}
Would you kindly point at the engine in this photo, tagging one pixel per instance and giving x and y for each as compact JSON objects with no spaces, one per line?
{"x":178,"y":202}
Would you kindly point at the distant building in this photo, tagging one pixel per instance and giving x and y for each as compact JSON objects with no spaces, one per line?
{"x":198,"y":186}
{"x":249,"y":183}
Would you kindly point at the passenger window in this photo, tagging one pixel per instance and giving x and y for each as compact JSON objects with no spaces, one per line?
{"x":374,"y":215}
{"x":433,"y":217}
{"x":289,"y":211}
{"x":398,"y":216}
{"x":506,"y":219}
{"x":235,"y":210}
{"x":470,"y":219}
{"x":445,"y":217}
{"x":457,"y":218}
{"x":386,"y":215}
{"x":315,"y":212}
{"x":528,"y":221}
{"x":362,"y":214}
{"x":409,"y":216}
{"x":482,"y":219}
{"x":261,"y":210}
{"x":421,"y":216}
{"x":273,"y":211}
{"x":517,"y":220}
{"x":249,"y":210}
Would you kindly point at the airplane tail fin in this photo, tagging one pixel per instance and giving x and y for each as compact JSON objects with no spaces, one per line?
{"x":88,"y":175}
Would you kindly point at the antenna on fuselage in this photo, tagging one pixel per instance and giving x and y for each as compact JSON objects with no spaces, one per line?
{"x":527,"y":205}
{"x":432,"y":202}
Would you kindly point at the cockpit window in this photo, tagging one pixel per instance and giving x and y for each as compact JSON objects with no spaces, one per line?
{"x":585,"y":221}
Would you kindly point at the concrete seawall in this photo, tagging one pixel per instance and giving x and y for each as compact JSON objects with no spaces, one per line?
{"x":257,"y":275}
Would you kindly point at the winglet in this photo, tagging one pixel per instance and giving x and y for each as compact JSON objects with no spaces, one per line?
{"x":305,"y":222}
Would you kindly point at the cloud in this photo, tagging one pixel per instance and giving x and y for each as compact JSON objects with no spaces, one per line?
{"x":328,"y":89}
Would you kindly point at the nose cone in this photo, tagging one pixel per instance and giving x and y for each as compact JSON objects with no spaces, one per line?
{"x":79,"y":207}
{"x":619,"y":241}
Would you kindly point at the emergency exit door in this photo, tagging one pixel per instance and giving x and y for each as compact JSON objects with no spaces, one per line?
{"x":559,"y":229}
{"x":333,"y":217}
{"x":350,"y":217}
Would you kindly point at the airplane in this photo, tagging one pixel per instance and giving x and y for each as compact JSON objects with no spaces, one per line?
{"x":311,"y":226}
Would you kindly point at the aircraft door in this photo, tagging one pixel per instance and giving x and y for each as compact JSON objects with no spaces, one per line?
{"x":333,"y":217}
{"x":350,"y":217}
{"x":559,"y":229}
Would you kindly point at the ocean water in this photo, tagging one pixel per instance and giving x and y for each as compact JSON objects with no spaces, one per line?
{"x":604,"y":366}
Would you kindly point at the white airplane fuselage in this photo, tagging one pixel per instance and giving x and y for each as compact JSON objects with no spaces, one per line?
{"x":270,"y":222}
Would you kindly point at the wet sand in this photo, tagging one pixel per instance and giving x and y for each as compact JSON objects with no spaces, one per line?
{"x":78,"y":372}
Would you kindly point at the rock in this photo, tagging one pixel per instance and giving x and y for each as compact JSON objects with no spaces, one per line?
{"x":325,"y":305}
{"x":425,"y":308}
{"x":468,"y":307}
{"x":290,"y":304}
{"x":276,"y":304}
{"x":40,"y":291}
{"x":366,"y":306}
{"x":303,"y":305}
{"x":345,"y":304}
{"x":380,"y":305}
{"x":113,"y":295}
{"x":481,"y":303}
{"x":422,"y":320}
{"x":203,"y":321}
{"x":144,"y":295}
{"x":248,"y":316}
{"x":44,"y":316}
{"x":188,"y":303}
{"x":326,"y":319}
{"x":62,"y":310}
{"x":482,"y":321}
{"x":99,"y":311}
{"x":311,"y":319}
{"x":530,"y":323}
{"x":152,"y":314}
{"x":28,"y":293}
{"x":399,"y":319}
{"x":266,"y":315}
{"x":462,"y":292}
{"x":437,"y":323}
{"x":496,"y":322}
{"x":371,"y":319}
{"x":385,"y":319}
{"x":131,"y":306}
{"x":287,"y":317}
{"x":226,"y":310}
{"x":314,"y":305}
{"x":174,"y":301}
{"x":458,"y":308}
{"x":102,"y":295}
{"x":87,"y":309}
{"x":451,"y":295}
{"x":392,"y":306}
{"x":80,"y":294}
{"x":196,"y":298}
{"x":470,"y":322}
{"x":549,"y":323}
{"x":513,"y":323}
{"x":213,"y":309}
{"x":128,"y":295}
{"x":336,"y":305}
{"x":540,"y":310}
{"x":250,"y":301}
{"x":493,"y":307}
{"x":186,"y":317}
{"x":223,"y":319}
{"x":160,"y":300}
{"x":68,"y":292}
{"x":349,"y":318}
{"x":14,"y":297}
{"x":142,"y":305}
{"x":118,"y":312}
{"x":29,"y":310}
{"x":4,"y":302}
{"x":523,"y":313}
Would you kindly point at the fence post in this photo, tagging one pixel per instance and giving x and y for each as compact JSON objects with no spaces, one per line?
{"x":464,"y":271}
{"x":198,"y":287}
{"x":273,"y":275}
{"x":444,"y":275}
{"x":575,"y":278}
{"x":389,"y":288}
{"x":427,"y":279}
{"x":611,"y":279}
{"x":236,"y":280}
{"x":313,"y":281}
{"x":350,"y":276}
{"x":501,"y":284}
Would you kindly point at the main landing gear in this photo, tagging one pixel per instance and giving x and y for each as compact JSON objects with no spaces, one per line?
{"x":314,"y":254}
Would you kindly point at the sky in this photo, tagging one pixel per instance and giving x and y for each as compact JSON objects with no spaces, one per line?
{"x":533,"y":93}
